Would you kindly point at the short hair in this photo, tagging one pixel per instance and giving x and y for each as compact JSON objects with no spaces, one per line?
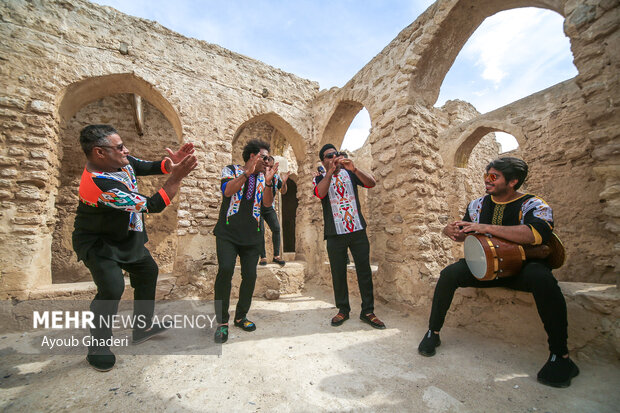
{"x":324,"y":148}
{"x":511,"y":168}
{"x":254,"y":146}
{"x":95,"y":135}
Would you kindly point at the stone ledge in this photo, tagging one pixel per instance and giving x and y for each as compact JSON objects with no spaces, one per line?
{"x":593,"y":317}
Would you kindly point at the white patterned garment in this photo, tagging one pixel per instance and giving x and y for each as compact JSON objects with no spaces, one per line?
{"x":344,"y":205}
{"x":540,"y":209}
{"x":474,"y":209}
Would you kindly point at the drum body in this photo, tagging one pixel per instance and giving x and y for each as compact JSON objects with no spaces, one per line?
{"x":491,"y":257}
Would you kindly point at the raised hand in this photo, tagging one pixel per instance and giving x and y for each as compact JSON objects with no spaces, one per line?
{"x":184,"y":150}
{"x":250,"y":165}
{"x":347,"y":164}
{"x":270,"y":171}
{"x":181,"y":169}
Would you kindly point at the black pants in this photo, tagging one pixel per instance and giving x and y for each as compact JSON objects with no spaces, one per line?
{"x":337,"y":247}
{"x":535,"y":277}
{"x":108,"y":276}
{"x":226,"y":257}
{"x":269,"y":215}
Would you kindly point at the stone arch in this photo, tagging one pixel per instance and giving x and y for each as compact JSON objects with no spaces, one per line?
{"x":445,"y":43}
{"x":456,"y":152}
{"x":293,"y":137}
{"x":340,"y":121}
{"x":81,"y":93}
{"x":105,"y":99}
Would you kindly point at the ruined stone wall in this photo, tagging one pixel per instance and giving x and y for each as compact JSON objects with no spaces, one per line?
{"x":59,"y":56}
{"x":416,"y":188}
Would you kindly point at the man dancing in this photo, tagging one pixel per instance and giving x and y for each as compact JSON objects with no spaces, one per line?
{"x":109,"y":234}
{"x":238,"y":232}
{"x":345,"y":229}
{"x":520,"y":218}
{"x":269,"y":215}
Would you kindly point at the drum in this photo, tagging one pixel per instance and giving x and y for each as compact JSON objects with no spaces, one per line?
{"x":490,"y":257}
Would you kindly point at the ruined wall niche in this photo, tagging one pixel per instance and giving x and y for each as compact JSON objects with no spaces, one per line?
{"x":100,"y":105}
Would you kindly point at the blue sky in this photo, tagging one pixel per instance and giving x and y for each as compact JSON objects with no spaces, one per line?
{"x":512,"y":54}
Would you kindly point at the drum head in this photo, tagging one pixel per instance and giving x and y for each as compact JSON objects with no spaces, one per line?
{"x":475,"y":257}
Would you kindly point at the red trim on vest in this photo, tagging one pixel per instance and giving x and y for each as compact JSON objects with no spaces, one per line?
{"x":163,"y":168}
{"x":89,"y":191}
{"x":164,"y":196}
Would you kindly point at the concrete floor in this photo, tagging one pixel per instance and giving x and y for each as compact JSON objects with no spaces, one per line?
{"x":295,"y":361}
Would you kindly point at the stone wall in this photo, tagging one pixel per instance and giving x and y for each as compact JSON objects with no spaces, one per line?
{"x":61,"y":56}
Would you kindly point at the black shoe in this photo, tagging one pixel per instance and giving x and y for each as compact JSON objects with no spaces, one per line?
{"x":558,"y":371}
{"x":221,"y":333}
{"x":245,"y":324}
{"x":263,"y":262}
{"x":339,"y":318}
{"x":373,"y":320}
{"x":428,"y":344}
{"x":279,"y":261}
{"x":102,"y":362}
{"x":141,"y":335}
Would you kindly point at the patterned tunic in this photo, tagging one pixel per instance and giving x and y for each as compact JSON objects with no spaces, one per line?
{"x":341,"y":208}
{"x":109,"y":214}
{"x":526,"y":210}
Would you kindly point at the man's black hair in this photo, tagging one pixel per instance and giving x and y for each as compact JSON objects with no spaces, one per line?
{"x":254,"y":146}
{"x":324,"y":148}
{"x":511,"y":168}
{"x":95,"y":135}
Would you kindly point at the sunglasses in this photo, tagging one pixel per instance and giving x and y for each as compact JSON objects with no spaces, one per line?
{"x":118,"y":147}
{"x":491,"y":177}
{"x":335,"y":154}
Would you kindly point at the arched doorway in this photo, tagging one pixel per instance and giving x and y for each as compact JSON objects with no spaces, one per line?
{"x":289,"y":216}
{"x":146,"y":139}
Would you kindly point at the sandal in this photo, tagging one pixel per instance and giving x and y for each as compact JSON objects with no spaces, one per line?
{"x":245,"y":324}
{"x":221,"y":333}
{"x":263,"y":261}
{"x":339,"y":319}
{"x":279,"y":261}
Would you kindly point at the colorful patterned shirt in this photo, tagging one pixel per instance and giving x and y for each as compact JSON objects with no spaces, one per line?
{"x":526,"y":210}
{"x":240,"y":214}
{"x":109,"y":214}
{"x":342,"y":212}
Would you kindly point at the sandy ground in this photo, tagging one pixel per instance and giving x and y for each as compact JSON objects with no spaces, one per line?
{"x":295,"y":361}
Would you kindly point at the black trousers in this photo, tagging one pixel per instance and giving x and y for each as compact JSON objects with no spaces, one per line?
{"x":269,"y":215}
{"x":535,"y":277}
{"x":226,"y":257}
{"x":108,"y":276}
{"x":337,"y":247}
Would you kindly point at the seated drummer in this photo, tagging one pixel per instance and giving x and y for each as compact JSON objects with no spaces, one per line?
{"x":524,"y":219}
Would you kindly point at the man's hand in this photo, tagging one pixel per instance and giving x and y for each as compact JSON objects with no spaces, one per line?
{"x":270,"y":172}
{"x":250,"y":165}
{"x":181,"y":169}
{"x":467,"y":227}
{"x":284,"y":177}
{"x":178,"y":156}
{"x":347,"y":164}
{"x":453,"y":232}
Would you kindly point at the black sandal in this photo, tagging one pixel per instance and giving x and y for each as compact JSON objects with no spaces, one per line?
{"x":279,"y":261}
{"x":245,"y":324}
